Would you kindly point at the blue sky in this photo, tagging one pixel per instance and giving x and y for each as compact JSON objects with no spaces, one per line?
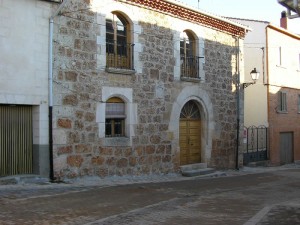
{"x":265,"y":10}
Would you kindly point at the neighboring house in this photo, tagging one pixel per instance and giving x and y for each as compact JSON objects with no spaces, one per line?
{"x":24,"y":34}
{"x":283,"y":66}
{"x":255,"y":96}
{"x":255,"y":109}
{"x":143,"y":87}
{"x":272,"y":102}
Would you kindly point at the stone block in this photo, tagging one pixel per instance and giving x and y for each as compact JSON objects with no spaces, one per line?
{"x":74,"y":160}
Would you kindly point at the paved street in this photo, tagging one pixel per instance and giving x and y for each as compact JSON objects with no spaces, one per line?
{"x":270,"y":196}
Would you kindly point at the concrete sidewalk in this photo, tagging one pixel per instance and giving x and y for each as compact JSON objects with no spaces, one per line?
{"x":34,"y":180}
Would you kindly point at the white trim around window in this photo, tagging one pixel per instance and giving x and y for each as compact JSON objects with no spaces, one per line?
{"x":131,"y":115}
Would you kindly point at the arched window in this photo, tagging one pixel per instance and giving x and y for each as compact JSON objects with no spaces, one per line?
{"x":115,"y":117}
{"x":189,"y":61}
{"x":190,"y":111}
{"x":118,"y":47}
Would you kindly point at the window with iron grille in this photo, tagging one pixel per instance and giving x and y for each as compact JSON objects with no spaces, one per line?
{"x":115,"y":118}
{"x":119,"y":50}
{"x":282,"y":102}
{"x":189,"y":62}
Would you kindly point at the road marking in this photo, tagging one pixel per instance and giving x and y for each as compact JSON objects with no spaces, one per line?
{"x":258,"y":216}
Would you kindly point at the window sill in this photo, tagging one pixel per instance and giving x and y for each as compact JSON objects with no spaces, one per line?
{"x":119,"y":71}
{"x":116,"y":141}
{"x":189,"y":79}
{"x":281,"y":66}
{"x":282,"y":112}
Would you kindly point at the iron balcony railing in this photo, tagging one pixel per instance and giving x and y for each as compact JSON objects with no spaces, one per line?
{"x":119,"y":55}
{"x":190,"y":66}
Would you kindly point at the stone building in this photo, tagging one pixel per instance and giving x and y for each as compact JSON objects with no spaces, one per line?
{"x":142,"y":87}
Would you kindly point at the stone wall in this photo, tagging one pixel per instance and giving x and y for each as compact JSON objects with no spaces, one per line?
{"x":157,"y":95}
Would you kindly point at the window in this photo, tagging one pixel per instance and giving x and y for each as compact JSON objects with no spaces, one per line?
{"x":280,"y":56}
{"x":189,"y":62}
{"x":118,"y":49}
{"x":115,"y":118}
{"x":282,"y":102}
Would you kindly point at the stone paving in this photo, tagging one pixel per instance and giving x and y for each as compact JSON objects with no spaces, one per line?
{"x":225,"y":197}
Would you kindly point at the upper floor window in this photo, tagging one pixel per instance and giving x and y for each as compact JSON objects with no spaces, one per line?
{"x":119,"y":50}
{"x":189,"y":61}
{"x":115,"y":118}
{"x":280,"y":56}
{"x":282,"y":102}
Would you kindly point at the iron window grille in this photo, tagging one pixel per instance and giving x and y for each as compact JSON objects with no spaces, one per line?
{"x":189,"y":66}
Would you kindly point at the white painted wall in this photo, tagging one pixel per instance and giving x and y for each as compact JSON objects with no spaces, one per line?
{"x":24,"y":30}
{"x":255,"y":96}
{"x":286,"y":73}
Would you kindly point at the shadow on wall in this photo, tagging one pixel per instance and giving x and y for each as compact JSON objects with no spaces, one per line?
{"x":81,"y":49}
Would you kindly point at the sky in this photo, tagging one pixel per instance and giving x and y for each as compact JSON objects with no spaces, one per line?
{"x":264,"y":10}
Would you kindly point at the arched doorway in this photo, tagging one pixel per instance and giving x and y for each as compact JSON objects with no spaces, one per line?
{"x":190,"y":134}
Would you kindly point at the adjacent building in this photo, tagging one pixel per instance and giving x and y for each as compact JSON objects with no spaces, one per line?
{"x":24,"y":35}
{"x":283,"y":82}
{"x":273,"y":102}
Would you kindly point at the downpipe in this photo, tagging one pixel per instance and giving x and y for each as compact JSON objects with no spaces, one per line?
{"x":50,"y":84}
{"x":238,"y":87}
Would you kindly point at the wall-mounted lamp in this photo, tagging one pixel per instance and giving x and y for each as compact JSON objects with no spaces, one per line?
{"x":254,"y":75}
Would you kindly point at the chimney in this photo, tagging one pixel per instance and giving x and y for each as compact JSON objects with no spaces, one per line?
{"x":283,"y":20}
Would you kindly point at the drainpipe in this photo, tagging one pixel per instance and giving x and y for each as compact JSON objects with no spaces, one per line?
{"x":50,"y":80}
{"x":238,"y":87}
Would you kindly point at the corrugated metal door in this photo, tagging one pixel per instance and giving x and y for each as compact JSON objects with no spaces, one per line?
{"x":286,"y":148}
{"x":15,"y":140}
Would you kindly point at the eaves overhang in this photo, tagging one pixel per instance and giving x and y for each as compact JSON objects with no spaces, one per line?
{"x":284,"y":31}
{"x":184,"y":12}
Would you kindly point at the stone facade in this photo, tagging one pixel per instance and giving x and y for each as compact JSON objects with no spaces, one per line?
{"x":154,"y":92}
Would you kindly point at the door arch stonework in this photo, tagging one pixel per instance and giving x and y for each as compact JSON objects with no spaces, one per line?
{"x":190,"y":134}
{"x":204,"y":103}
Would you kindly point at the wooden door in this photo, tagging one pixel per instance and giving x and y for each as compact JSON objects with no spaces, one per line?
{"x":190,"y":134}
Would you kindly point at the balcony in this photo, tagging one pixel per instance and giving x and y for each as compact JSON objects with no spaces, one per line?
{"x":119,"y":56}
{"x":189,"y":66}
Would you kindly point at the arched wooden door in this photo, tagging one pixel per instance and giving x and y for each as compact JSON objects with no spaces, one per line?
{"x":190,"y":134}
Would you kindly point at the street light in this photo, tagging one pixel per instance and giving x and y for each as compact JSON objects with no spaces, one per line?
{"x":254,"y":75}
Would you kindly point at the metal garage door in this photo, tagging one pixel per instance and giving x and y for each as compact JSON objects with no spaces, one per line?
{"x":15,"y":140}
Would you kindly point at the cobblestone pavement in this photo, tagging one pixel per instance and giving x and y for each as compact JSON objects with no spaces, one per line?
{"x":249,"y":196}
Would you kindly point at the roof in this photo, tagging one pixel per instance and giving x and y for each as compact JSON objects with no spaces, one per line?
{"x":284,"y":31}
{"x":184,"y":12}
